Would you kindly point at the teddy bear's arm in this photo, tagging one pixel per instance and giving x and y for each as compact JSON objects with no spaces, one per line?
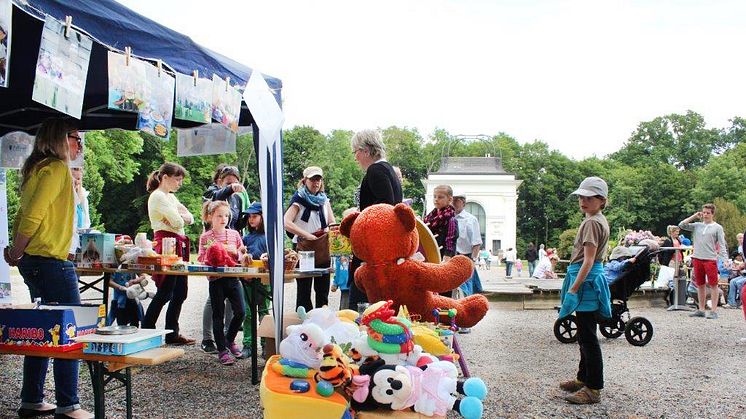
{"x":442,"y":277}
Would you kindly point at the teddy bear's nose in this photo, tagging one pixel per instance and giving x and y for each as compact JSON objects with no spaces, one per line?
{"x":396,"y":385}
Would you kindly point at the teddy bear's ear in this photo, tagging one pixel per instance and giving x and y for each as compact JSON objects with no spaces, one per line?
{"x":405,"y":215}
{"x":346,"y":225}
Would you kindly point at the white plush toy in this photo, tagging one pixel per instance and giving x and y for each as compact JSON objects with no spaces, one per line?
{"x":335,"y":330}
{"x":138,"y":291}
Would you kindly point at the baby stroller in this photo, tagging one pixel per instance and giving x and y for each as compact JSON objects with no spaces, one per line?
{"x":637,"y":330}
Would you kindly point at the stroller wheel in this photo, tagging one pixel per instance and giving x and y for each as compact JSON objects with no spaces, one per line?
{"x":566,"y":330}
{"x":638,"y":331}
{"x":613,"y":329}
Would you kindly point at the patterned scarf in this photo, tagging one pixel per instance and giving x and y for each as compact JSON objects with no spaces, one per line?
{"x":438,"y":218}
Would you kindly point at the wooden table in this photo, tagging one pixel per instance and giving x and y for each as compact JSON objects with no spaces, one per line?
{"x":105,"y":368}
{"x":252,"y":279}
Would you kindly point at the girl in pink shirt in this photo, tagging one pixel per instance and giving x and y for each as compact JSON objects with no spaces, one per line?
{"x":217,"y":213}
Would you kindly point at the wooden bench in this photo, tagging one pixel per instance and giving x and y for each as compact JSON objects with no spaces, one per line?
{"x":105,"y":369}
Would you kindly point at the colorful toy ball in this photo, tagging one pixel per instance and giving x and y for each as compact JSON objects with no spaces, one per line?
{"x":324,"y":388}
{"x":300,"y":386}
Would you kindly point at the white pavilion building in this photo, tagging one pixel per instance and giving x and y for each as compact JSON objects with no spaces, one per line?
{"x":491,"y":196}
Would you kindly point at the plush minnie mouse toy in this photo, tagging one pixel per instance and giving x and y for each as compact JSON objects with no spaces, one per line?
{"x":430,"y":390}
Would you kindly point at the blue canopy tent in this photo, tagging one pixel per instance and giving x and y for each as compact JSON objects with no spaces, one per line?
{"x":114,"y":27}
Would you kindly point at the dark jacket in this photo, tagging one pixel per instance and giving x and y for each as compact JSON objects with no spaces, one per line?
{"x":380,"y":185}
{"x":238,"y":220}
{"x":531,"y":254}
{"x":665,"y":256}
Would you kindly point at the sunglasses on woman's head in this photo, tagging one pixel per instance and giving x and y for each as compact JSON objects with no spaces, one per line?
{"x":229,"y":169}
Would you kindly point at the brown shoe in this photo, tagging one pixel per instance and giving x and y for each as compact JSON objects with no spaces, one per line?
{"x":571,"y":386}
{"x":180,"y":340}
{"x":584,"y":396}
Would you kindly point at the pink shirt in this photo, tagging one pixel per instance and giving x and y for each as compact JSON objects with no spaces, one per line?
{"x":228,"y":237}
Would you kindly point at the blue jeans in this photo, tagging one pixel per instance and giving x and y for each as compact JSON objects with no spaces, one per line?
{"x":54,"y":281}
{"x":532,"y":266}
{"x":736,"y":284}
{"x":508,"y":268}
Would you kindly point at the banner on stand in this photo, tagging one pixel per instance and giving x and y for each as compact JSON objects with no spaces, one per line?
{"x":62,"y":68}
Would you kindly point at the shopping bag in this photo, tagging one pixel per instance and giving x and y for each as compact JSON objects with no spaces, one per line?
{"x":665,"y":277}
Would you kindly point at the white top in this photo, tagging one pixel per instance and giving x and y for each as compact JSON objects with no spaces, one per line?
{"x":542,"y":255}
{"x":542,"y":268}
{"x":510,"y":255}
{"x":314,"y":221}
{"x":468,"y":232}
{"x":163,"y":211}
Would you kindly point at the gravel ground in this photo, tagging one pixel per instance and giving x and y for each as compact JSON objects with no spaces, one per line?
{"x":689,"y":369}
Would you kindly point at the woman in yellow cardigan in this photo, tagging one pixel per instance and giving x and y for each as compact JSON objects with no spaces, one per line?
{"x":42,"y":233}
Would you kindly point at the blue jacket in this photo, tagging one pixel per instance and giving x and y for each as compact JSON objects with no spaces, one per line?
{"x":593,"y":295}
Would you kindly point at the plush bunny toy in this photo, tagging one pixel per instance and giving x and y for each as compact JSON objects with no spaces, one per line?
{"x":138,"y":291}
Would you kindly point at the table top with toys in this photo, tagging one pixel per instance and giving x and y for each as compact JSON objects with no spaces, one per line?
{"x":345,"y":365}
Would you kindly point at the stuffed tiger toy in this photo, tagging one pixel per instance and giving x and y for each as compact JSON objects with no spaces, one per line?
{"x":336,"y":367}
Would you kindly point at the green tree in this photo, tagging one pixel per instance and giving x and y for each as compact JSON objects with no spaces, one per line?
{"x":721,"y":177}
{"x":681,"y":140}
{"x":732,"y":220}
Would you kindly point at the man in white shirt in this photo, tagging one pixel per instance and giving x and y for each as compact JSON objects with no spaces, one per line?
{"x":469,"y":241}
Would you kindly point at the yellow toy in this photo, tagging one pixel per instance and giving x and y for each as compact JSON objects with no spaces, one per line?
{"x":55,"y":332}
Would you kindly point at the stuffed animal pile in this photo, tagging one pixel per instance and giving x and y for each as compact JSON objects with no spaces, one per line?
{"x":382,"y":368}
{"x":385,"y":238}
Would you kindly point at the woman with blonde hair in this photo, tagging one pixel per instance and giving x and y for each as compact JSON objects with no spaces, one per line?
{"x":42,"y":235}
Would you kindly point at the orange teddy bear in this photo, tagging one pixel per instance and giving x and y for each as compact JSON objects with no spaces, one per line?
{"x":385,"y":237}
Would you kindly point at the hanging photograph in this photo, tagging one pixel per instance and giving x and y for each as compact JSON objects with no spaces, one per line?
{"x":62,"y":68}
{"x":127,"y":83}
{"x":193,"y":98}
{"x":156,"y":110}
{"x":15,"y":147}
{"x":226,"y":103}
{"x":6,"y":16}
{"x":204,"y":140}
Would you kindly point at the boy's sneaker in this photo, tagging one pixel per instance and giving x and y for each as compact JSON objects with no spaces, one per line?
{"x":226,"y":358}
{"x":571,"y":386}
{"x":698,"y":313}
{"x":464,"y":330}
{"x":712,"y":315}
{"x":584,"y":396}
{"x":209,"y":347}
{"x":235,"y":350}
{"x":246,"y":352}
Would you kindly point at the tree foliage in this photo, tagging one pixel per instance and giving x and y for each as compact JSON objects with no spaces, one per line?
{"x":667,"y":169}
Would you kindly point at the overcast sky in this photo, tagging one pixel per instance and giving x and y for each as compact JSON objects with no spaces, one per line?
{"x":578,"y":75}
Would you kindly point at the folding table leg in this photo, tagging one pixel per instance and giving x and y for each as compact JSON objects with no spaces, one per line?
{"x":253,"y":309}
{"x":96,"y":369}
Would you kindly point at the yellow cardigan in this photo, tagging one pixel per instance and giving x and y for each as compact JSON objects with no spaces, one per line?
{"x":46,"y":210}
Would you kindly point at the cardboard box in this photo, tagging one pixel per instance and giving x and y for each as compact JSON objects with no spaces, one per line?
{"x":50,"y":327}
{"x":266,"y":331}
{"x":97,"y":248}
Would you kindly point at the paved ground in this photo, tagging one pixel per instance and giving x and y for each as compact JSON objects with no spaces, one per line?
{"x":691,"y":368}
